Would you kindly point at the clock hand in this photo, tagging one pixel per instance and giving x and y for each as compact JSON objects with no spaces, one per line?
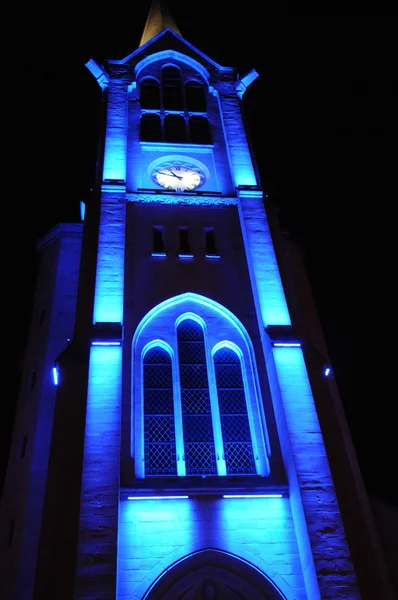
{"x":171,"y":174}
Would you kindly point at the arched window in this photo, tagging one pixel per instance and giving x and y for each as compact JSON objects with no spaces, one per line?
{"x":195,"y":401}
{"x":199,"y":130}
{"x":159,"y":426}
{"x":175,"y":130}
{"x":172,"y":89}
{"x":195,"y":97}
{"x":150,"y":94}
{"x":235,"y":427}
{"x":197,"y":409}
{"x":177,"y":105}
{"x":150,"y":128}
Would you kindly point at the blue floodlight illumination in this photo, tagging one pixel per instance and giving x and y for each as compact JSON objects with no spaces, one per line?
{"x":161,"y":254}
{"x":55,"y":375}
{"x":156,"y":497}
{"x":327,"y":370}
{"x":252,"y":495}
{"x":212,"y":256}
{"x":287,"y":344}
{"x":106,"y":343}
{"x":185,"y":255}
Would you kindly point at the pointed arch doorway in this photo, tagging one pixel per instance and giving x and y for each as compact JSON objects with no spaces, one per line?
{"x":213,"y":575}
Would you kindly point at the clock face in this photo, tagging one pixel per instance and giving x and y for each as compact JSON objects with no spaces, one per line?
{"x":178,"y":177}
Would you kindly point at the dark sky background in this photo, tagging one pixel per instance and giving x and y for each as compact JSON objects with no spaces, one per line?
{"x":323,"y":122}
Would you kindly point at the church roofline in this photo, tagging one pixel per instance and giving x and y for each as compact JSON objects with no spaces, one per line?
{"x":182,"y":40}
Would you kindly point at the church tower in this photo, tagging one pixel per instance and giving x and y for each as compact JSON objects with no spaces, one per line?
{"x":179,"y":434}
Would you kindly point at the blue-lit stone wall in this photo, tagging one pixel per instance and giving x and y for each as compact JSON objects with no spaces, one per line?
{"x":154,"y":534}
{"x":109,"y":288}
{"x":116,"y":128}
{"x":98,"y":526}
{"x":325,"y":556}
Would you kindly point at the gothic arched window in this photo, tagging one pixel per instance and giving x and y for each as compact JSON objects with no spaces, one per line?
{"x":197,"y":410}
{"x":150,"y":94}
{"x":159,"y":426}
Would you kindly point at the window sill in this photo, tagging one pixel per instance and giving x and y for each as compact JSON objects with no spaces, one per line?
{"x":208,"y":486}
{"x":166,"y":146}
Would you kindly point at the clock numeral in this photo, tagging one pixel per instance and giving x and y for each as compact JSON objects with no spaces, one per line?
{"x":178,"y":189}
{"x":178,"y":168}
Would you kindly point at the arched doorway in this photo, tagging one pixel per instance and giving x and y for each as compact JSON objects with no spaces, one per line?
{"x":213,"y":575}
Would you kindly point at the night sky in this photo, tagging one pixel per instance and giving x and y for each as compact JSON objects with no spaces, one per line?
{"x":322,"y":117}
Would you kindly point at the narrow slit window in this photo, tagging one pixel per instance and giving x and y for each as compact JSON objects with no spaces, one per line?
{"x":32,"y":380}
{"x":185,"y":248}
{"x":211,"y":246}
{"x":42,"y":314}
{"x":22,"y":447}
{"x":11,"y":530}
{"x":157,"y":241}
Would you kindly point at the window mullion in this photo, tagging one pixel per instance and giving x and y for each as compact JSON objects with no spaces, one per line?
{"x":215,"y":415}
{"x":179,"y":432}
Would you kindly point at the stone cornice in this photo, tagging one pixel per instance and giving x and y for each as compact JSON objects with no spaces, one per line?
{"x":191,"y":200}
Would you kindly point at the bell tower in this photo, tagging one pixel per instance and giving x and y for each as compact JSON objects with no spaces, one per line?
{"x":179,"y":433}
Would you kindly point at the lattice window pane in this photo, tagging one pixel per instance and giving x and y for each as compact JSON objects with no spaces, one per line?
{"x":235,"y":428}
{"x":193,"y":376}
{"x":157,"y":376}
{"x":159,"y":447}
{"x":200,"y":459}
{"x":238,"y":449}
{"x":159,"y":430}
{"x":232,"y":401}
{"x":159,"y":402}
{"x":226,"y":356}
{"x":190,"y":331}
{"x":191,"y":353}
{"x":157,"y":356}
{"x":160,"y":459}
{"x":198,"y":428}
{"x":239,"y":458}
{"x":195,"y":401}
{"x":229,"y":376}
